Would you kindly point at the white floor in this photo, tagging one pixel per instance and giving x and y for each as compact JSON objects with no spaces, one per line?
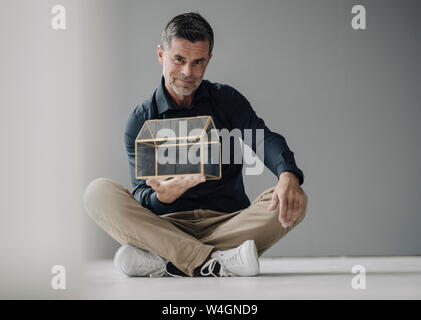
{"x":280,"y":278}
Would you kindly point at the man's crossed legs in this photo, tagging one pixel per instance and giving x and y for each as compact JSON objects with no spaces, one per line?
{"x":187,"y":239}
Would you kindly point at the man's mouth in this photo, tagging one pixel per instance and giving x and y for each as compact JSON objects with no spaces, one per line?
{"x":187,"y":82}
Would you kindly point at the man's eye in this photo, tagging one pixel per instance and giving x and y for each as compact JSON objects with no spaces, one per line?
{"x":179,"y":59}
{"x":199,"y":62}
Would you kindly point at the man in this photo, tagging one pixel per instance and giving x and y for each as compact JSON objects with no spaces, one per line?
{"x":186,"y":225}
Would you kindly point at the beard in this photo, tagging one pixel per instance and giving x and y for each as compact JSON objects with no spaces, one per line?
{"x":181,"y":90}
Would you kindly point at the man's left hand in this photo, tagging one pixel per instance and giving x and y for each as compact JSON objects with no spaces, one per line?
{"x":290,"y":196}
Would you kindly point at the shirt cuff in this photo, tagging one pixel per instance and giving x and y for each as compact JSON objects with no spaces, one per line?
{"x":294,"y":170}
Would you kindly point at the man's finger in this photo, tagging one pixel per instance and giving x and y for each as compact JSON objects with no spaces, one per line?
{"x":274,"y":202}
{"x":189,"y":182}
{"x":154,"y":183}
{"x":300,"y":207}
{"x":283,"y":210}
{"x":291,"y":210}
{"x":176,"y":180}
{"x":198,"y":179}
{"x":294,"y":213}
{"x":192,"y":181}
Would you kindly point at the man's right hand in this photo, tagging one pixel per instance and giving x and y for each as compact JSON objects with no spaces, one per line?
{"x":167,"y":191}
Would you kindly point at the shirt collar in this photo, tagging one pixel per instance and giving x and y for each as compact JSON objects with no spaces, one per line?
{"x":163,"y":100}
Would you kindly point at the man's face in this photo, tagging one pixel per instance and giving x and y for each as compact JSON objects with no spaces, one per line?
{"x":184,"y":64}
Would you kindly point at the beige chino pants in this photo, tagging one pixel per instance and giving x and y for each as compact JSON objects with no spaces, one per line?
{"x":185,"y":238}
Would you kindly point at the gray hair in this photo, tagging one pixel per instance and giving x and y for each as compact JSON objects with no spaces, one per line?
{"x":190,"y":26}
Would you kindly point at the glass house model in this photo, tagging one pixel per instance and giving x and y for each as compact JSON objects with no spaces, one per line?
{"x":174,"y":147}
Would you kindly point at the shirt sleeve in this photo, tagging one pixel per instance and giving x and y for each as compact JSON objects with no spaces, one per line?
{"x":277,"y":155}
{"x":143,"y":193}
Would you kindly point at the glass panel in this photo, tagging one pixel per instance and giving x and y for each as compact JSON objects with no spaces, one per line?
{"x":145,"y":132}
{"x":179,"y":127}
{"x":175,"y":159}
{"x":212,"y":165}
{"x":145,"y":160}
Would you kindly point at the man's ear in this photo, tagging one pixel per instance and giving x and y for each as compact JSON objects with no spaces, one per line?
{"x":160,"y":52}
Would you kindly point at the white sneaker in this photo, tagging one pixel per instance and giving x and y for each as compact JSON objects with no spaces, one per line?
{"x":241,"y":261}
{"x":136,"y":262}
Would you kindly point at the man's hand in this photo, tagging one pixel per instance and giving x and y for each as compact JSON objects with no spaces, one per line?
{"x":290,"y":196}
{"x":167,"y":191}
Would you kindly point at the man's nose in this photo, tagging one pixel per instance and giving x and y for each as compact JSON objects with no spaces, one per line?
{"x":187,"y":70}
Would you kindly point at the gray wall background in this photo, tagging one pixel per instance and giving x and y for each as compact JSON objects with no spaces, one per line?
{"x":41,"y":163}
{"x":348,"y":103}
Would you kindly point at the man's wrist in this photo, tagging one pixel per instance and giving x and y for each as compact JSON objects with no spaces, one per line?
{"x":289,"y":175}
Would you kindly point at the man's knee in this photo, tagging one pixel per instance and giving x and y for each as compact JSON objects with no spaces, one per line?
{"x":96,"y":193}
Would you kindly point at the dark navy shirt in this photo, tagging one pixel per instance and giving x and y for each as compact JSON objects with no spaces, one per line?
{"x":229,"y":109}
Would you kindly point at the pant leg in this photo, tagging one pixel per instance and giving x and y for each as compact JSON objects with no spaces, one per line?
{"x":253,"y":223}
{"x":198,"y":222}
{"x":116,"y":211}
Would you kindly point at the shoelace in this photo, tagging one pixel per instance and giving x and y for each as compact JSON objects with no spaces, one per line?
{"x":168,"y":273}
{"x":210,"y":264}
